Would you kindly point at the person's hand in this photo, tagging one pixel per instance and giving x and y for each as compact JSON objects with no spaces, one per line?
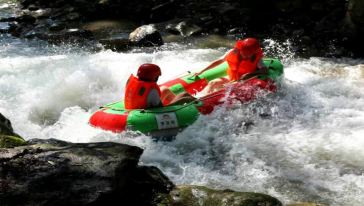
{"x":263,"y":70}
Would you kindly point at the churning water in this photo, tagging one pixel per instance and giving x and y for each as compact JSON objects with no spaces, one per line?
{"x":304,"y":143}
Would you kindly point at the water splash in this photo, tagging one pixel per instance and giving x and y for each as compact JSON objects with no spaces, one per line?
{"x":301,"y":144}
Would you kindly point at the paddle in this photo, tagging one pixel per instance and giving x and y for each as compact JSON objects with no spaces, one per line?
{"x":259,"y":71}
{"x":212,"y":65}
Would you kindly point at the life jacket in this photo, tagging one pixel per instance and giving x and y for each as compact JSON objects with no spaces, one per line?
{"x":238,"y":66}
{"x":136,"y":93}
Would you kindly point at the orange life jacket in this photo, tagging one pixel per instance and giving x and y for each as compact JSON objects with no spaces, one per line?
{"x":136,"y":93}
{"x":238,"y":66}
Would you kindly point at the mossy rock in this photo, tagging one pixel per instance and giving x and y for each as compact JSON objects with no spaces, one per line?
{"x":187,"y":195}
{"x":7,"y":141}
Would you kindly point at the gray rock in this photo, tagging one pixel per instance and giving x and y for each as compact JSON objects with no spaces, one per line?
{"x":4,"y":27}
{"x":73,"y":35}
{"x":7,"y":136}
{"x":146,"y":35}
{"x":53,"y":172}
{"x":26,"y":19}
{"x":116,"y":44}
{"x":5,"y":126}
{"x":197,"y":195}
{"x":356,"y":12}
{"x":57,"y":26}
{"x":184,"y":28}
{"x":163,"y":11}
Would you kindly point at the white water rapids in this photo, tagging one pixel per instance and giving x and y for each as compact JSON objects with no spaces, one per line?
{"x":304,"y":143}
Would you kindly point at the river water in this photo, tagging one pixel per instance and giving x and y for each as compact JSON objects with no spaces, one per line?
{"x":304,"y":143}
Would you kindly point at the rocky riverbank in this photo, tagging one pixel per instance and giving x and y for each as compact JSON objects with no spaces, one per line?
{"x":316,"y":28}
{"x":54,"y":172}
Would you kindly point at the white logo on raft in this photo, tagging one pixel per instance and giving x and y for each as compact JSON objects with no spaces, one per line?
{"x":167,"y":120}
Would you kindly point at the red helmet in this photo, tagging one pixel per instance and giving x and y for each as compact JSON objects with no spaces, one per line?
{"x":149,"y":72}
{"x":248,"y":47}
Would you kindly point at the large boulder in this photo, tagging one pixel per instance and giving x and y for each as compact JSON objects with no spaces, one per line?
{"x":201,"y":196}
{"x":53,"y":172}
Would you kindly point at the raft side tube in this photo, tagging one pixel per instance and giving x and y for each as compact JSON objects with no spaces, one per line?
{"x":170,"y":117}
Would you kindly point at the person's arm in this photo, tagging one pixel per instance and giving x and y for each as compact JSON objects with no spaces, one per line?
{"x":153,"y":99}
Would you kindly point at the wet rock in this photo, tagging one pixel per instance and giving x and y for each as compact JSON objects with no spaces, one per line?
{"x":53,"y":172}
{"x":146,"y":35}
{"x":289,"y":5}
{"x":116,"y":44}
{"x":73,"y":16}
{"x":4,"y":27}
{"x":33,"y":7}
{"x":214,"y":41}
{"x":356,"y":13}
{"x":184,"y":28}
{"x":328,"y":23}
{"x":8,"y":141}
{"x":8,"y":19}
{"x":26,"y":19}
{"x":164,"y":11}
{"x":73,"y":35}
{"x":41,"y":13}
{"x":5,"y":126}
{"x":57,"y":26}
{"x":7,"y":136}
{"x":306,"y":204}
{"x":104,"y":29}
{"x":198,"y":195}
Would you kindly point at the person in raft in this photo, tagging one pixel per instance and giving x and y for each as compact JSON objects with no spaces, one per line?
{"x":143,"y":92}
{"x":245,"y":61}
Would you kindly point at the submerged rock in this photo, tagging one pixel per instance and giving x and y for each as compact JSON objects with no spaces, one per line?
{"x":201,"y":196}
{"x":53,"y":172}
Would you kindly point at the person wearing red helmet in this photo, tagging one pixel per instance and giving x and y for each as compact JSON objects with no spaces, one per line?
{"x":142,"y":92}
{"x":244,"y":60}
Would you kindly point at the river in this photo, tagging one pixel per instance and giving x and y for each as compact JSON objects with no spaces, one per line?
{"x":304,"y":143}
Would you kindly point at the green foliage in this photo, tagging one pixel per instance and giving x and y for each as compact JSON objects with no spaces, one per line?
{"x":7,"y":141}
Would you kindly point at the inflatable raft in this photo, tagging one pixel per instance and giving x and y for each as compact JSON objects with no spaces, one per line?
{"x":169,"y":120}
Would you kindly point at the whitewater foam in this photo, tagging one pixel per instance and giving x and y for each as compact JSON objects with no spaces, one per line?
{"x":301,"y":144}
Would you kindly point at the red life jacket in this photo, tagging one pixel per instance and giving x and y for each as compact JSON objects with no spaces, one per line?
{"x":238,"y":66}
{"x":137,"y":91}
